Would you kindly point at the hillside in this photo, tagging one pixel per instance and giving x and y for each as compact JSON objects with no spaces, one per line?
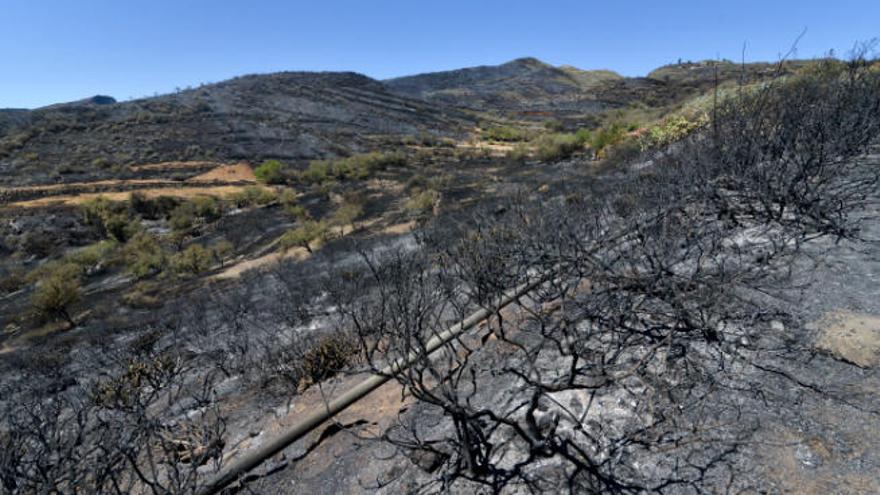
{"x":294,"y":116}
{"x":517,"y":279}
{"x":523,"y":86}
{"x":299,"y":116}
{"x":528,"y":87}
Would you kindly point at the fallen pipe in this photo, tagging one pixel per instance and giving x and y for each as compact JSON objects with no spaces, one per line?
{"x":252,"y":459}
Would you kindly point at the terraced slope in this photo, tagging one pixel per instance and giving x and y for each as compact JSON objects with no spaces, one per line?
{"x":295,"y":116}
{"x":524,"y":86}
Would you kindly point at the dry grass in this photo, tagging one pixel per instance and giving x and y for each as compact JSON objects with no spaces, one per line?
{"x":399,"y":228}
{"x":235,"y":270}
{"x":97,"y":183}
{"x":299,"y":253}
{"x":177,"y":192}
{"x":237,"y":173}
{"x":240,"y":172}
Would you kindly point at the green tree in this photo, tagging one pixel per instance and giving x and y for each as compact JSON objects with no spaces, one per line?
{"x":308,"y":235}
{"x":346,"y":214}
{"x":222,"y":250}
{"x":143,"y":255}
{"x":206,"y":207}
{"x":111,"y":219}
{"x":298,"y":212}
{"x":183,"y":218}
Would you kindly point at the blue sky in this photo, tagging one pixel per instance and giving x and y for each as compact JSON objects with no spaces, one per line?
{"x":61,"y":50}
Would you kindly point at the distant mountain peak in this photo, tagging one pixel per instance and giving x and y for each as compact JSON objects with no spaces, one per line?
{"x":529,"y":62}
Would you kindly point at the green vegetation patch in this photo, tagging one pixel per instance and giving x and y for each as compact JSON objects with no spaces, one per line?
{"x":270,"y":172}
{"x":504,"y":134}
{"x":357,"y":167}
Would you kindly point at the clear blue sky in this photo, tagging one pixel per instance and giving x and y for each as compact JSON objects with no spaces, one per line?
{"x":61,"y":50}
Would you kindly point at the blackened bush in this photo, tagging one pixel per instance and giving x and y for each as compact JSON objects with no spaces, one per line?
{"x":329,"y":356}
{"x":784,"y":154}
{"x":39,"y":244}
{"x":11,"y":280}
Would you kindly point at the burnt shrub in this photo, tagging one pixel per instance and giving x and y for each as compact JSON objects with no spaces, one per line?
{"x":327,"y":357}
{"x":12,"y":280}
{"x":38,"y":244}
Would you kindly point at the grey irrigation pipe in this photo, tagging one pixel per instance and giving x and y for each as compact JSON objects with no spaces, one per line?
{"x":254,"y":458}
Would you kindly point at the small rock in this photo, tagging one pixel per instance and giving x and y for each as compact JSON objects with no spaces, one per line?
{"x":805,"y":455}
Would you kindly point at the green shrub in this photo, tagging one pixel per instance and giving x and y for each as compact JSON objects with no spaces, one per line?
{"x":356,"y":167}
{"x":110,"y":218}
{"x":222,"y":250}
{"x":120,"y":227}
{"x":317,"y":172}
{"x":183,"y":218}
{"x":194,"y":259}
{"x":143,"y":255}
{"x":519,"y":153}
{"x":504,"y":133}
{"x":671,"y":130}
{"x":253,"y":195}
{"x":583,"y":136}
{"x":550,"y":147}
{"x":422,"y":202}
{"x":605,"y":138}
{"x":206,"y":207}
{"x":58,"y":290}
{"x":288,"y":197}
{"x":153,"y":209}
{"x":554,"y":125}
{"x":92,"y":255}
{"x":298,"y":212}
{"x":101,"y":162}
{"x":83,"y":261}
{"x":270,"y":172}
{"x":346,"y":214}
{"x":379,"y":161}
{"x":93,"y":210}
